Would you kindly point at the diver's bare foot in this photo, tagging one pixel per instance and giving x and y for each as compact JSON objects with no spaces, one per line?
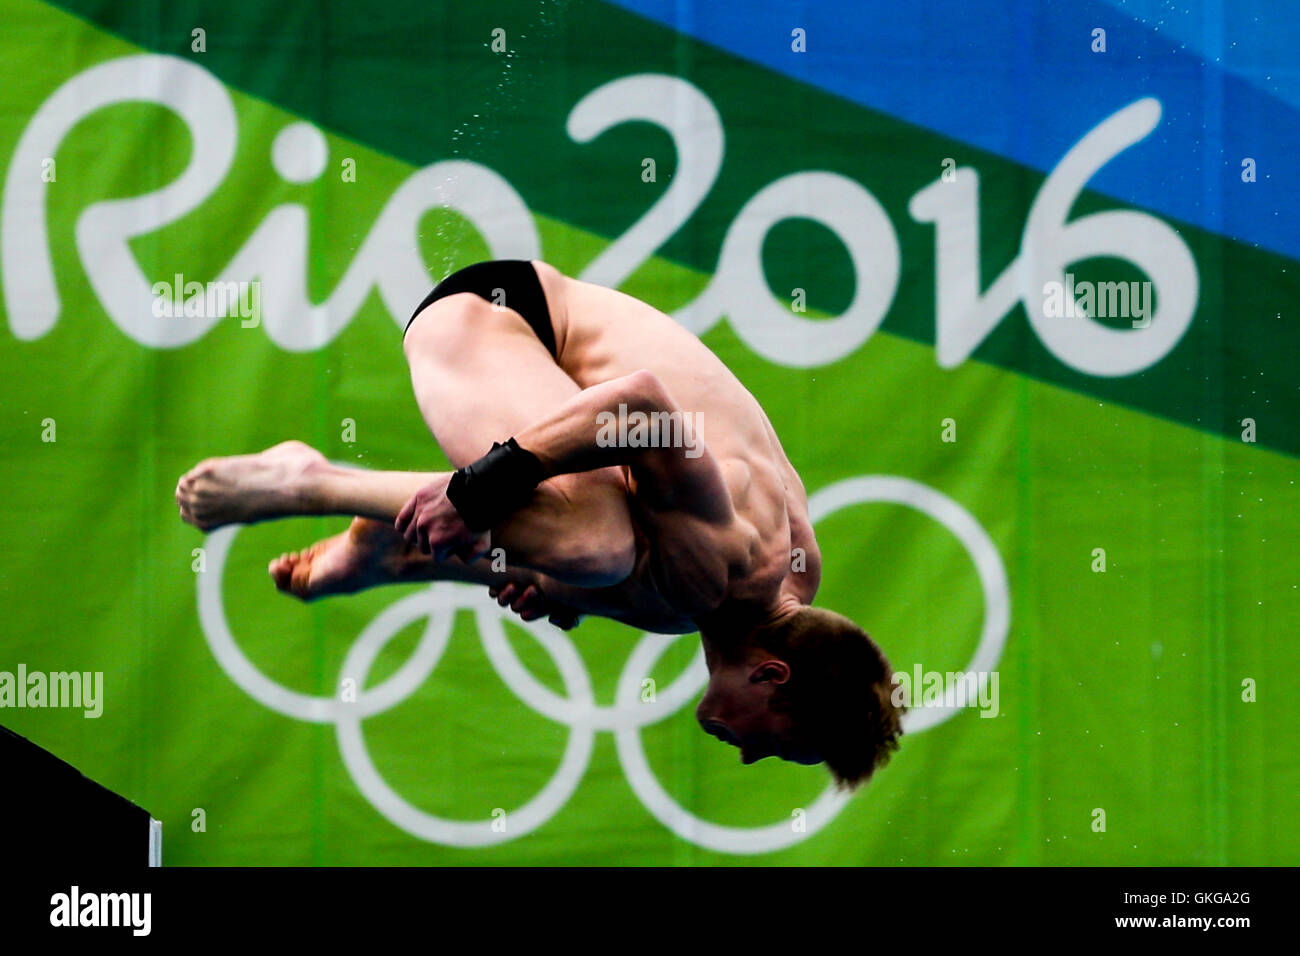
{"x":367,"y":554}
{"x":247,"y":488}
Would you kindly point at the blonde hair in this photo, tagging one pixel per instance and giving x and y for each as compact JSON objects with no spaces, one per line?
{"x":840,"y":695}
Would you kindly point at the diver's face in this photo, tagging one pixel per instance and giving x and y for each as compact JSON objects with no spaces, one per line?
{"x":736,"y":709}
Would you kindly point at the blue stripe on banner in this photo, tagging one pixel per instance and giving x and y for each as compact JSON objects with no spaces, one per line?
{"x":1019,"y":78}
{"x":1251,"y":44}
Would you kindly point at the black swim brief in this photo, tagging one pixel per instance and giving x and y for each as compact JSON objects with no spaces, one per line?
{"x":511,"y":283}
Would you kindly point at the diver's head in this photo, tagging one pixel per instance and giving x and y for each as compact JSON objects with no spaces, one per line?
{"x":810,"y":687}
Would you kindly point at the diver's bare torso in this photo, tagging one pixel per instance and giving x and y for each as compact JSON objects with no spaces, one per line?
{"x":667,"y":539}
{"x":602,"y":334}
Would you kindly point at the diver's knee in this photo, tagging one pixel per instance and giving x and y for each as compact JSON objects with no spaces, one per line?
{"x":601,"y":552}
{"x":596,"y":560}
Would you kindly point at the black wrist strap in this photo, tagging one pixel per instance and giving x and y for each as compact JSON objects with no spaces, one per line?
{"x":496,"y":486}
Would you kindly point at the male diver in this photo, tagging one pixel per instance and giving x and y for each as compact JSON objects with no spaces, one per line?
{"x":625,"y":472}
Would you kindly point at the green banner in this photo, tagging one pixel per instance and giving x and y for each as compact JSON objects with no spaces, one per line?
{"x":1092,"y":506}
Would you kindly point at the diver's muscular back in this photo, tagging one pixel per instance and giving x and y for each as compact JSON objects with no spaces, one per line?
{"x":602,"y":334}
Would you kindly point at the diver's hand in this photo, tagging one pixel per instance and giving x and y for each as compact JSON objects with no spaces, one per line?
{"x":430,"y":522}
{"x":530,"y":604}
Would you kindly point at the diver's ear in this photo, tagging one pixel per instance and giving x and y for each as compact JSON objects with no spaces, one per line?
{"x":770,"y":671}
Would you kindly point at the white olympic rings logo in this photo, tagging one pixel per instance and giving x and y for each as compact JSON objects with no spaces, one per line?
{"x":577,"y":709}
